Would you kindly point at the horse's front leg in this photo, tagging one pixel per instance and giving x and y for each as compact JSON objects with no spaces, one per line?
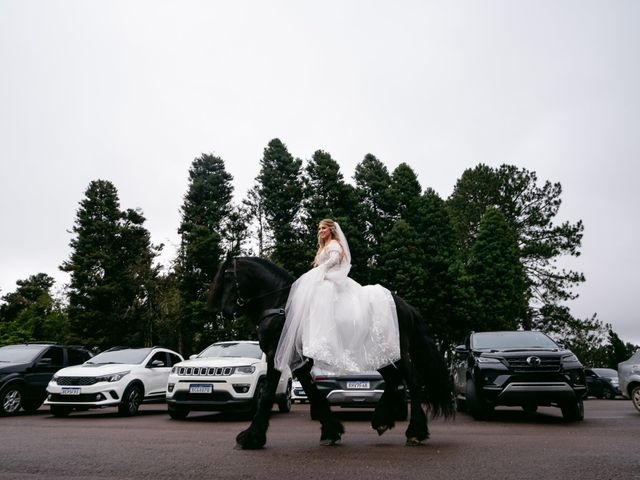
{"x":331,"y":429}
{"x":386,"y":408}
{"x":256,"y":435}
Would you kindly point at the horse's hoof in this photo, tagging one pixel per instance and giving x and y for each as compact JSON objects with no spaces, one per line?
{"x":381,"y":429}
{"x":413,"y":442}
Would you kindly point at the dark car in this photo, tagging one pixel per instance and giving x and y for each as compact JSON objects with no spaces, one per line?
{"x":25,"y":371}
{"x":525,"y":368}
{"x":602,"y":382}
{"x":362,"y":390}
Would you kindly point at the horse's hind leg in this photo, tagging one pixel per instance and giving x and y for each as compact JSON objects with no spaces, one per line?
{"x":418,"y":430}
{"x":385,"y":412}
{"x":331,"y":429}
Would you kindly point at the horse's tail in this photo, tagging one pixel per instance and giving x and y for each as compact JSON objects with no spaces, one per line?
{"x":431,"y":367}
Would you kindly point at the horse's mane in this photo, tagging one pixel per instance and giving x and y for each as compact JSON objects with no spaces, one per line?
{"x":274,"y":271}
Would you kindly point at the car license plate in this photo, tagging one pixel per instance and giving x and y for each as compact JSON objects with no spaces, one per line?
{"x":360,"y":385}
{"x":200,"y":388}
{"x":70,"y":391}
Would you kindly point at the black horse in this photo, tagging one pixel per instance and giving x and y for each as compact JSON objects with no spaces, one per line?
{"x":258,"y":289}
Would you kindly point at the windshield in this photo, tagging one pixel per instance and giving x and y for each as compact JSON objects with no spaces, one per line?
{"x":511,"y":340}
{"x":249,"y":350}
{"x":19,"y":353}
{"x":126,"y":355}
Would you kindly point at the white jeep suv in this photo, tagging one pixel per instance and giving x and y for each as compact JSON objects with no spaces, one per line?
{"x":122,"y":377}
{"x":226,"y":376}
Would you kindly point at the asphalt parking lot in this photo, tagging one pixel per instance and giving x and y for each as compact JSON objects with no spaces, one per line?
{"x":512,"y":445}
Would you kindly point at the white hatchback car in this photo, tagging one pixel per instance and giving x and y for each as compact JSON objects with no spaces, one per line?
{"x":122,"y":377}
{"x":226,"y":376}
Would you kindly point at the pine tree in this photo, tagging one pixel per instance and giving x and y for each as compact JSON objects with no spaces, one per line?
{"x":111,"y":271}
{"x":206,"y":207}
{"x":496,"y":275}
{"x":281,"y":193}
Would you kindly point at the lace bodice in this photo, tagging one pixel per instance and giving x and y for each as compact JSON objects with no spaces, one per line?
{"x":331,"y":255}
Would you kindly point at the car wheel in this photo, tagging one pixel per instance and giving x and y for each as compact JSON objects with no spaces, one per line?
{"x":178,"y":413}
{"x":635,"y":397}
{"x":11,"y":399}
{"x":573,"y":410}
{"x":476,"y":405}
{"x":131,"y":400}
{"x":607,"y":394}
{"x":284,"y":405}
{"x":60,"y":410}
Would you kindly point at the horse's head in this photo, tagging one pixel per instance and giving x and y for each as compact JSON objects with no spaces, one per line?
{"x":248,"y":285}
{"x":224,"y":295}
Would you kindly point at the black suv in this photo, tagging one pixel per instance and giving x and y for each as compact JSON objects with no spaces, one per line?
{"x":525,"y":368}
{"x":25,"y":371}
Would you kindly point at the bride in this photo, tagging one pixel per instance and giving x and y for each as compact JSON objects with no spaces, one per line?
{"x":343,"y":326}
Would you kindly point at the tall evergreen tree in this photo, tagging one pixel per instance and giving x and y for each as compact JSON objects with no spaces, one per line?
{"x":405,"y":191}
{"x":530,"y":210}
{"x":373,"y":185}
{"x":111,"y":271}
{"x":206,"y":206}
{"x":281,"y":192}
{"x":496,"y":275}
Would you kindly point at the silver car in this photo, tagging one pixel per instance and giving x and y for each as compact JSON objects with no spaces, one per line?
{"x":629,"y":375}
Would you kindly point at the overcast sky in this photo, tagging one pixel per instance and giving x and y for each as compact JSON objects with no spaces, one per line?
{"x":132,"y":91}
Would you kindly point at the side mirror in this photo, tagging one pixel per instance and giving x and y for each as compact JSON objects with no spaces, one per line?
{"x":44,"y":362}
{"x":191,"y":357}
{"x":461,"y":349}
{"x":157,"y":363}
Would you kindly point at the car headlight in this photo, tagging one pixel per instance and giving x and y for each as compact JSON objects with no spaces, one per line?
{"x":571,"y":358}
{"x":246,"y":370}
{"x":112,"y":377}
{"x":482,"y":359}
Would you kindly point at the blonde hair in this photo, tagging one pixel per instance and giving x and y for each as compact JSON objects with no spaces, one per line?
{"x":334,"y":236}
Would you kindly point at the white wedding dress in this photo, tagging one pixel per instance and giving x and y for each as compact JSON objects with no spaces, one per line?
{"x":343,"y":326}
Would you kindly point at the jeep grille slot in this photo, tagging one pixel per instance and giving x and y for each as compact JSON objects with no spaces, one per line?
{"x":204,"y":371}
{"x":547,"y":364}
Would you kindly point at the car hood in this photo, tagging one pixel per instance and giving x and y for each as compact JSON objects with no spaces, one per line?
{"x":94,"y":370}
{"x":218,"y":362}
{"x":12,"y":367}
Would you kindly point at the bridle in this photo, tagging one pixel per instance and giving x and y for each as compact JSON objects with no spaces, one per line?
{"x":242,"y":301}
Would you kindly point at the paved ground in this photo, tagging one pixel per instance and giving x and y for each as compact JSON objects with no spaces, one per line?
{"x":513,"y":445}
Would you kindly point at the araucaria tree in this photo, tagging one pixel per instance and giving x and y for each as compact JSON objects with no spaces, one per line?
{"x":111,"y":270}
{"x":207,"y":204}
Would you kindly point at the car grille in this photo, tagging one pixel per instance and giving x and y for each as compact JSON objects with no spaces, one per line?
{"x":90,"y":397}
{"x":76,"y":380}
{"x":203,"y":397}
{"x":204,"y":371}
{"x":547,"y":364}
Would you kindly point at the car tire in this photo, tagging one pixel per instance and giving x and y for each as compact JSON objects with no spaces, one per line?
{"x":131,"y":400}
{"x":11,"y":398}
{"x":573,"y":410}
{"x":178,"y":413}
{"x":635,"y":397}
{"x":476,"y":405}
{"x":607,"y":394}
{"x":60,"y":411}
{"x":284,"y":404}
